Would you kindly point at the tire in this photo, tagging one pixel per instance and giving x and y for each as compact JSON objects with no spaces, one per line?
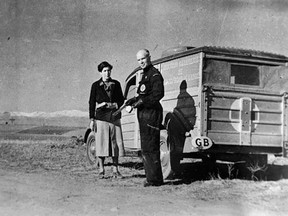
{"x":170,"y":163}
{"x":91,"y":151}
{"x":88,"y":131}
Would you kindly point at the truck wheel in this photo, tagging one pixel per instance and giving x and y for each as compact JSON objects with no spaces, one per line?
{"x":91,"y":149}
{"x":170,"y":163}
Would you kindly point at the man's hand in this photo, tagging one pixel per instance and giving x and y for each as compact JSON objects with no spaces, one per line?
{"x":129,"y":109}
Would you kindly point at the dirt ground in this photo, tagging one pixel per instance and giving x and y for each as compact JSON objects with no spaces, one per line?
{"x":53,"y":177}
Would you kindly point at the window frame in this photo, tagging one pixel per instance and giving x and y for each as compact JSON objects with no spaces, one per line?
{"x":245,"y":65}
{"x":129,"y":83}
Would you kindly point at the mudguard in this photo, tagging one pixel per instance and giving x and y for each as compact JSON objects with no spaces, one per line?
{"x":87,"y":134}
{"x":183,"y":121}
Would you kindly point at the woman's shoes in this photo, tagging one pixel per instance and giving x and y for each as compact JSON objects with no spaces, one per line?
{"x":101,"y":175}
{"x":117,"y":174}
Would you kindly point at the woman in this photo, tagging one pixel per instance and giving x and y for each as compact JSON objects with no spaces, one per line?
{"x":106,"y":97}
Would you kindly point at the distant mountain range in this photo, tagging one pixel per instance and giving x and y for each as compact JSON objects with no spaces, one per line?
{"x":63,"y":113}
{"x":59,"y":118}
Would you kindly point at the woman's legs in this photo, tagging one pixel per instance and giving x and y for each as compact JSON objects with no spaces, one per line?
{"x":115,"y":164}
{"x":101,"y":164}
{"x":116,"y":173}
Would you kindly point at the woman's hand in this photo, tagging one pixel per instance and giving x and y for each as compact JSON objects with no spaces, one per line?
{"x":93,"y":125}
{"x":100,"y":105}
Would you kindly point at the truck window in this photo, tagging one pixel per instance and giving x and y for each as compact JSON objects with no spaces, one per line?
{"x":244,"y":75}
{"x":130,"y":90}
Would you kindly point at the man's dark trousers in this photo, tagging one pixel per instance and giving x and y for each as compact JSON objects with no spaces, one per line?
{"x":149,"y":123}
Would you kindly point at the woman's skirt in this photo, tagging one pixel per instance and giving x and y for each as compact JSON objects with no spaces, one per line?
{"x":109,"y":139}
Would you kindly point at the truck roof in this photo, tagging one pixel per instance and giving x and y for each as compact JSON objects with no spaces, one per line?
{"x":220,"y":51}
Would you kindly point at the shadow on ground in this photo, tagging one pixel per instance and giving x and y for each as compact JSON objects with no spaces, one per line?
{"x":197,"y":171}
{"x":194,"y":171}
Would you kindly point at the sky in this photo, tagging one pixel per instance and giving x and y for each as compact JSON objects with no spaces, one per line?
{"x":50,"y":49}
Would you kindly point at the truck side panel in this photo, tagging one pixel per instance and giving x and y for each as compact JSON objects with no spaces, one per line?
{"x":181,"y":83}
{"x":128,"y":124}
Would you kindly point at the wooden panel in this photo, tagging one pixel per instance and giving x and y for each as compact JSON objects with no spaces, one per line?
{"x":270,"y":129}
{"x":268,"y":105}
{"x":225,"y":138}
{"x":129,"y":144}
{"x":127,"y":118}
{"x":220,"y":114}
{"x":223,"y":102}
{"x":128,"y":135}
{"x":266,"y":140}
{"x":270,"y":117}
{"x":128,"y":127}
{"x":221,"y":126}
{"x":285,"y":125}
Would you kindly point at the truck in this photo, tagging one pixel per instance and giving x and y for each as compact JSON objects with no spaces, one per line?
{"x":220,"y":103}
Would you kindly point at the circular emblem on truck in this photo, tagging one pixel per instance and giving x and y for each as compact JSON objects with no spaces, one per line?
{"x":202,"y":142}
{"x":142,"y":88}
{"x":235,"y":114}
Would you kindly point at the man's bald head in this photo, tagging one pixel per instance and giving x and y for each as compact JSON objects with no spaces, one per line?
{"x":143,"y":58}
{"x":143,"y":52}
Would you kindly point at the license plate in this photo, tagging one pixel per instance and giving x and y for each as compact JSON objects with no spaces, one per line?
{"x":202,"y":142}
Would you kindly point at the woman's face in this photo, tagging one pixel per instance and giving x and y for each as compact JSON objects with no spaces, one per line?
{"x":106,"y":73}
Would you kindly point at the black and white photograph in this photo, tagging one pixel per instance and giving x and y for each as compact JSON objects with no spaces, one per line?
{"x":144,"y":107}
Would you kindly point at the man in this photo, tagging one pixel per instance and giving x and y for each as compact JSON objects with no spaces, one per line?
{"x":150,"y":115}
